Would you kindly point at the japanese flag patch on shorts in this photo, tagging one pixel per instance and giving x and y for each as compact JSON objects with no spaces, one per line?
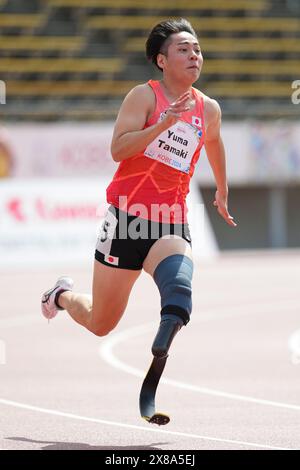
{"x":114,"y":260}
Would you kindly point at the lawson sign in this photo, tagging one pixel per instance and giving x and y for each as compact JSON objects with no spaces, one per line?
{"x":43,"y":221}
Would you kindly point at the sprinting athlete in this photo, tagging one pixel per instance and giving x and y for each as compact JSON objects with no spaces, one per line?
{"x":160,"y":130}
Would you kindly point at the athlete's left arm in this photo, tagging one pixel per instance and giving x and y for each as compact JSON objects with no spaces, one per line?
{"x":216,"y":155}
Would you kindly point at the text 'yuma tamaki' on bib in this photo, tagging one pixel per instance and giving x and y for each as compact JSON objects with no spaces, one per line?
{"x":175,"y":146}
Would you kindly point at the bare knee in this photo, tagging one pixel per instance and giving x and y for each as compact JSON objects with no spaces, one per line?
{"x":102,"y":327}
{"x":101,"y":330}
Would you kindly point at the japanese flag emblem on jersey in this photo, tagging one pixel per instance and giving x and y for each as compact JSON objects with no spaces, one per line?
{"x":197,"y":121}
{"x":114,"y":260}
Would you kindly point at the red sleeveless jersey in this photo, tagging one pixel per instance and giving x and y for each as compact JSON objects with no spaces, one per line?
{"x":153,"y":184}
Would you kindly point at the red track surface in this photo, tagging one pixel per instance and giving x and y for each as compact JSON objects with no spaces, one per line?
{"x":238,"y":387}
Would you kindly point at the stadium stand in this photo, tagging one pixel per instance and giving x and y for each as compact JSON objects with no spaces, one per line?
{"x":76,"y":59}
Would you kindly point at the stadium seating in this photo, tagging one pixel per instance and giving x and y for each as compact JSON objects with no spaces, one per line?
{"x":220,"y":24}
{"x":76,"y":59}
{"x":41,"y":43}
{"x":167,"y":4}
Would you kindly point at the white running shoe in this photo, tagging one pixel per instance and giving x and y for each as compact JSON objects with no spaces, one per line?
{"x":49,"y":306}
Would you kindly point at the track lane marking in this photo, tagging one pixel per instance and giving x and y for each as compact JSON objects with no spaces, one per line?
{"x":115,"y":339}
{"x":106,"y":353}
{"x":132,"y":426}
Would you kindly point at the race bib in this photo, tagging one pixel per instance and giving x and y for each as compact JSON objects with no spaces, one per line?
{"x":175,"y":146}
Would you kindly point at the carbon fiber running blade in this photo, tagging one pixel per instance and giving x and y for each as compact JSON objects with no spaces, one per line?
{"x":148,"y":391}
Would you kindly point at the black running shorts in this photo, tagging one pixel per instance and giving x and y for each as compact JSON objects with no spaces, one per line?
{"x":125,"y":240}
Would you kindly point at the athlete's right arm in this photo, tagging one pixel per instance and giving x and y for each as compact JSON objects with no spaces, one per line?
{"x":129,"y":137}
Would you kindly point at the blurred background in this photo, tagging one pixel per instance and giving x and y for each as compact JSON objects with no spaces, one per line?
{"x":66,"y":66}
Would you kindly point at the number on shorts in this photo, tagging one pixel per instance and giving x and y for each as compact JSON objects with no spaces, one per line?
{"x":104,"y":233}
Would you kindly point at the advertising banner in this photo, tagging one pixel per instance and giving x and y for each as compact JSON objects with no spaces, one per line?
{"x":56,"y":150}
{"x":44,"y":221}
{"x":256,"y":152}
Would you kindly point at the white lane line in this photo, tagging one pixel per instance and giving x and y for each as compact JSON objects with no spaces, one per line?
{"x":106,"y":352}
{"x":132,"y":426}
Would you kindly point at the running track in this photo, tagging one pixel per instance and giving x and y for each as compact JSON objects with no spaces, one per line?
{"x":229,"y":382}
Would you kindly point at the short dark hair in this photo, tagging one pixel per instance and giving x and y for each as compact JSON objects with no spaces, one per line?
{"x":161,"y":32}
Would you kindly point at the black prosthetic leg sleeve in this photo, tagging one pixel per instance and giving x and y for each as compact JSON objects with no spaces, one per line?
{"x":169,"y":326}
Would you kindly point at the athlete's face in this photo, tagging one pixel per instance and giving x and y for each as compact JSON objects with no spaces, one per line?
{"x":181,"y":57}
